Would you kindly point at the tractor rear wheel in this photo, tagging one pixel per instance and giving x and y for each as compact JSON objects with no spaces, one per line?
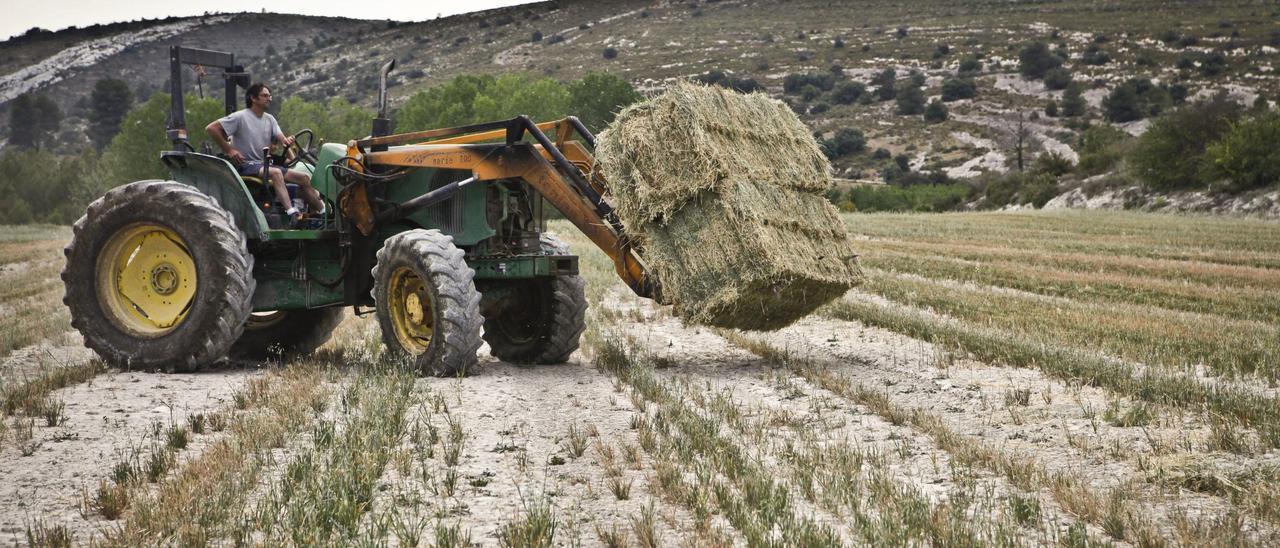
{"x":158,"y":277}
{"x":284,"y":334}
{"x":427,"y":305}
{"x":543,"y":319}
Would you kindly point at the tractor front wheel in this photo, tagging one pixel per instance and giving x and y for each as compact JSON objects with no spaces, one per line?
{"x":427,"y":305}
{"x":158,"y":277}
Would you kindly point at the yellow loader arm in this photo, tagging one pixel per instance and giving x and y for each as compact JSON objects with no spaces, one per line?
{"x":562,"y":171}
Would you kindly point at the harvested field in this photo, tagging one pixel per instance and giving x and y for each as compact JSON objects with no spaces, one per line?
{"x":1002,"y":378}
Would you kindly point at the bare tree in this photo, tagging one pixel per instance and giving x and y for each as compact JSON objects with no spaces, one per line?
{"x":1019,"y":138}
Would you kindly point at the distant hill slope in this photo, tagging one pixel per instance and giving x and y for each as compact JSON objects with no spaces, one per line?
{"x":763,"y":41}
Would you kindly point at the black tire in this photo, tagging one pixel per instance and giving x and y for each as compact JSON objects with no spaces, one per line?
{"x":544,"y":324}
{"x":286,"y":334}
{"x":215,"y":313}
{"x":444,"y":285}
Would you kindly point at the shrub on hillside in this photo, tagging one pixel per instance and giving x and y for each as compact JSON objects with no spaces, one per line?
{"x":1213,"y":64}
{"x":1247,"y":155}
{"x":110,"y":101}
{"x":795,"y":83}
{"x":1073,"y":103}
{"x":958,"y":88}
{"x":935,"y":112}
{"x":903,"y":162}
{"x":887,"y":91}
{"x":34,"y":120}
{"x":1122,"y":105}
{"x":1172,"y":153}
{"x":910,"y":101}
{"x":1002,"y":189}
{"x":1135,"y":99}
{"x":1094,"y":55}
{"x":610,"y":53}
{"x":1035,"y":60}
{"x":1101,"y":148}
{"x":918,"y":78}
{"x":809,"y":93}
{"x":970,"y":65}
{"x":1058,"y":78}
{"x":886,"y":76}
{"x":1054,"y":164}
{"x":846,"y":141}
{"x":848,"y":93}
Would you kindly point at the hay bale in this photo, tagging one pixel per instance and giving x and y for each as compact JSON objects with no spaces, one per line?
{"x":662,"y":152}
{"x":729,"y":219}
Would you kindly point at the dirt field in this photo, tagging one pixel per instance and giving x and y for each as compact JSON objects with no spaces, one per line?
{"x":1017,"y":379}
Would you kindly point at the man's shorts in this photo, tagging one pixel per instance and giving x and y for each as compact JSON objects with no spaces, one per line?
{"x":252,"y":168}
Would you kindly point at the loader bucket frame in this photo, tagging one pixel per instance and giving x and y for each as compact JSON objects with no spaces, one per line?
{"x":563,"y":171}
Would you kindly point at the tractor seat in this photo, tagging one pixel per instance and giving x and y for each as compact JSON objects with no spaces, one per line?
{"x":256,"y":184}
{"x":262,"y":192}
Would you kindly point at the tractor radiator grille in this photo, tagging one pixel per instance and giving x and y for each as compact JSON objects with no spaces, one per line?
{"x":447,"y":215}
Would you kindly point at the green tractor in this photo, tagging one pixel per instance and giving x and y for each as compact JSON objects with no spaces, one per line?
{"x":440,"y":233}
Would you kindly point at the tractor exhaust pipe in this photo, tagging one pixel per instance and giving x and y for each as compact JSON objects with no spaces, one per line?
{"x":382,"y":124}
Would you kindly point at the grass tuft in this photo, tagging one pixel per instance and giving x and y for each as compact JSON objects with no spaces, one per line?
{"x":536,"y":528}
{"x":620,"y":487}
{"x":176,"y":438}
{"x":576,"y":440}
{"x":612,"y":537}
{"x":40,"y":535}
{"x":645,"y":527}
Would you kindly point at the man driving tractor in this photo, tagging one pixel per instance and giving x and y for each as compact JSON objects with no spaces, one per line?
{"x":245,"y":133}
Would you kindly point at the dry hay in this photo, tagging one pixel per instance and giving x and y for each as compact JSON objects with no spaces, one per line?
{"x":721,"y":191}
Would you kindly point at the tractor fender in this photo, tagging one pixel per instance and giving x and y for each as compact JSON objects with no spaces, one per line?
{"x":217,"y":178}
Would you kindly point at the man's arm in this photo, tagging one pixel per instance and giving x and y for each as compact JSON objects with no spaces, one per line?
{"x":214,"y":129}
{"x":280,"y":137}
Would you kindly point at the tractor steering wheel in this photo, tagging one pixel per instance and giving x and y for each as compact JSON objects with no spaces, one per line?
{"x":296,"y":152}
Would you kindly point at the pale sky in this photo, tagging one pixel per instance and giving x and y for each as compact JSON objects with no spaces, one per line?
{"x":21,"y":15}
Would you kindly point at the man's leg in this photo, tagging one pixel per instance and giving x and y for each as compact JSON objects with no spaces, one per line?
{"x":282,"y":192}
{"x":309,"y":193}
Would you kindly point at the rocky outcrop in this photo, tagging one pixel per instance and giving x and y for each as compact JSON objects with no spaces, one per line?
{"x":1265,"y":203}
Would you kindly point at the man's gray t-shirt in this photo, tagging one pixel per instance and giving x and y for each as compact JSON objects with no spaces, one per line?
{"x":249,"y":134}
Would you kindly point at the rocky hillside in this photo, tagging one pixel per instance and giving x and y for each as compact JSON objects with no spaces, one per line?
{"x":815,"y":54}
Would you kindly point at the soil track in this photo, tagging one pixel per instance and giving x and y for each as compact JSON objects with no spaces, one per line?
{"x":107,"y":419}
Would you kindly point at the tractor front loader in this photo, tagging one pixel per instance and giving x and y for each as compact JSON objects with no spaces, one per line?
{"x":441,"y":233}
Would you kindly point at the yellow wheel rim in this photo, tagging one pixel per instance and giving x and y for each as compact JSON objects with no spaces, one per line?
{"x":146,"y":279}
{"x":412,"y":310}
